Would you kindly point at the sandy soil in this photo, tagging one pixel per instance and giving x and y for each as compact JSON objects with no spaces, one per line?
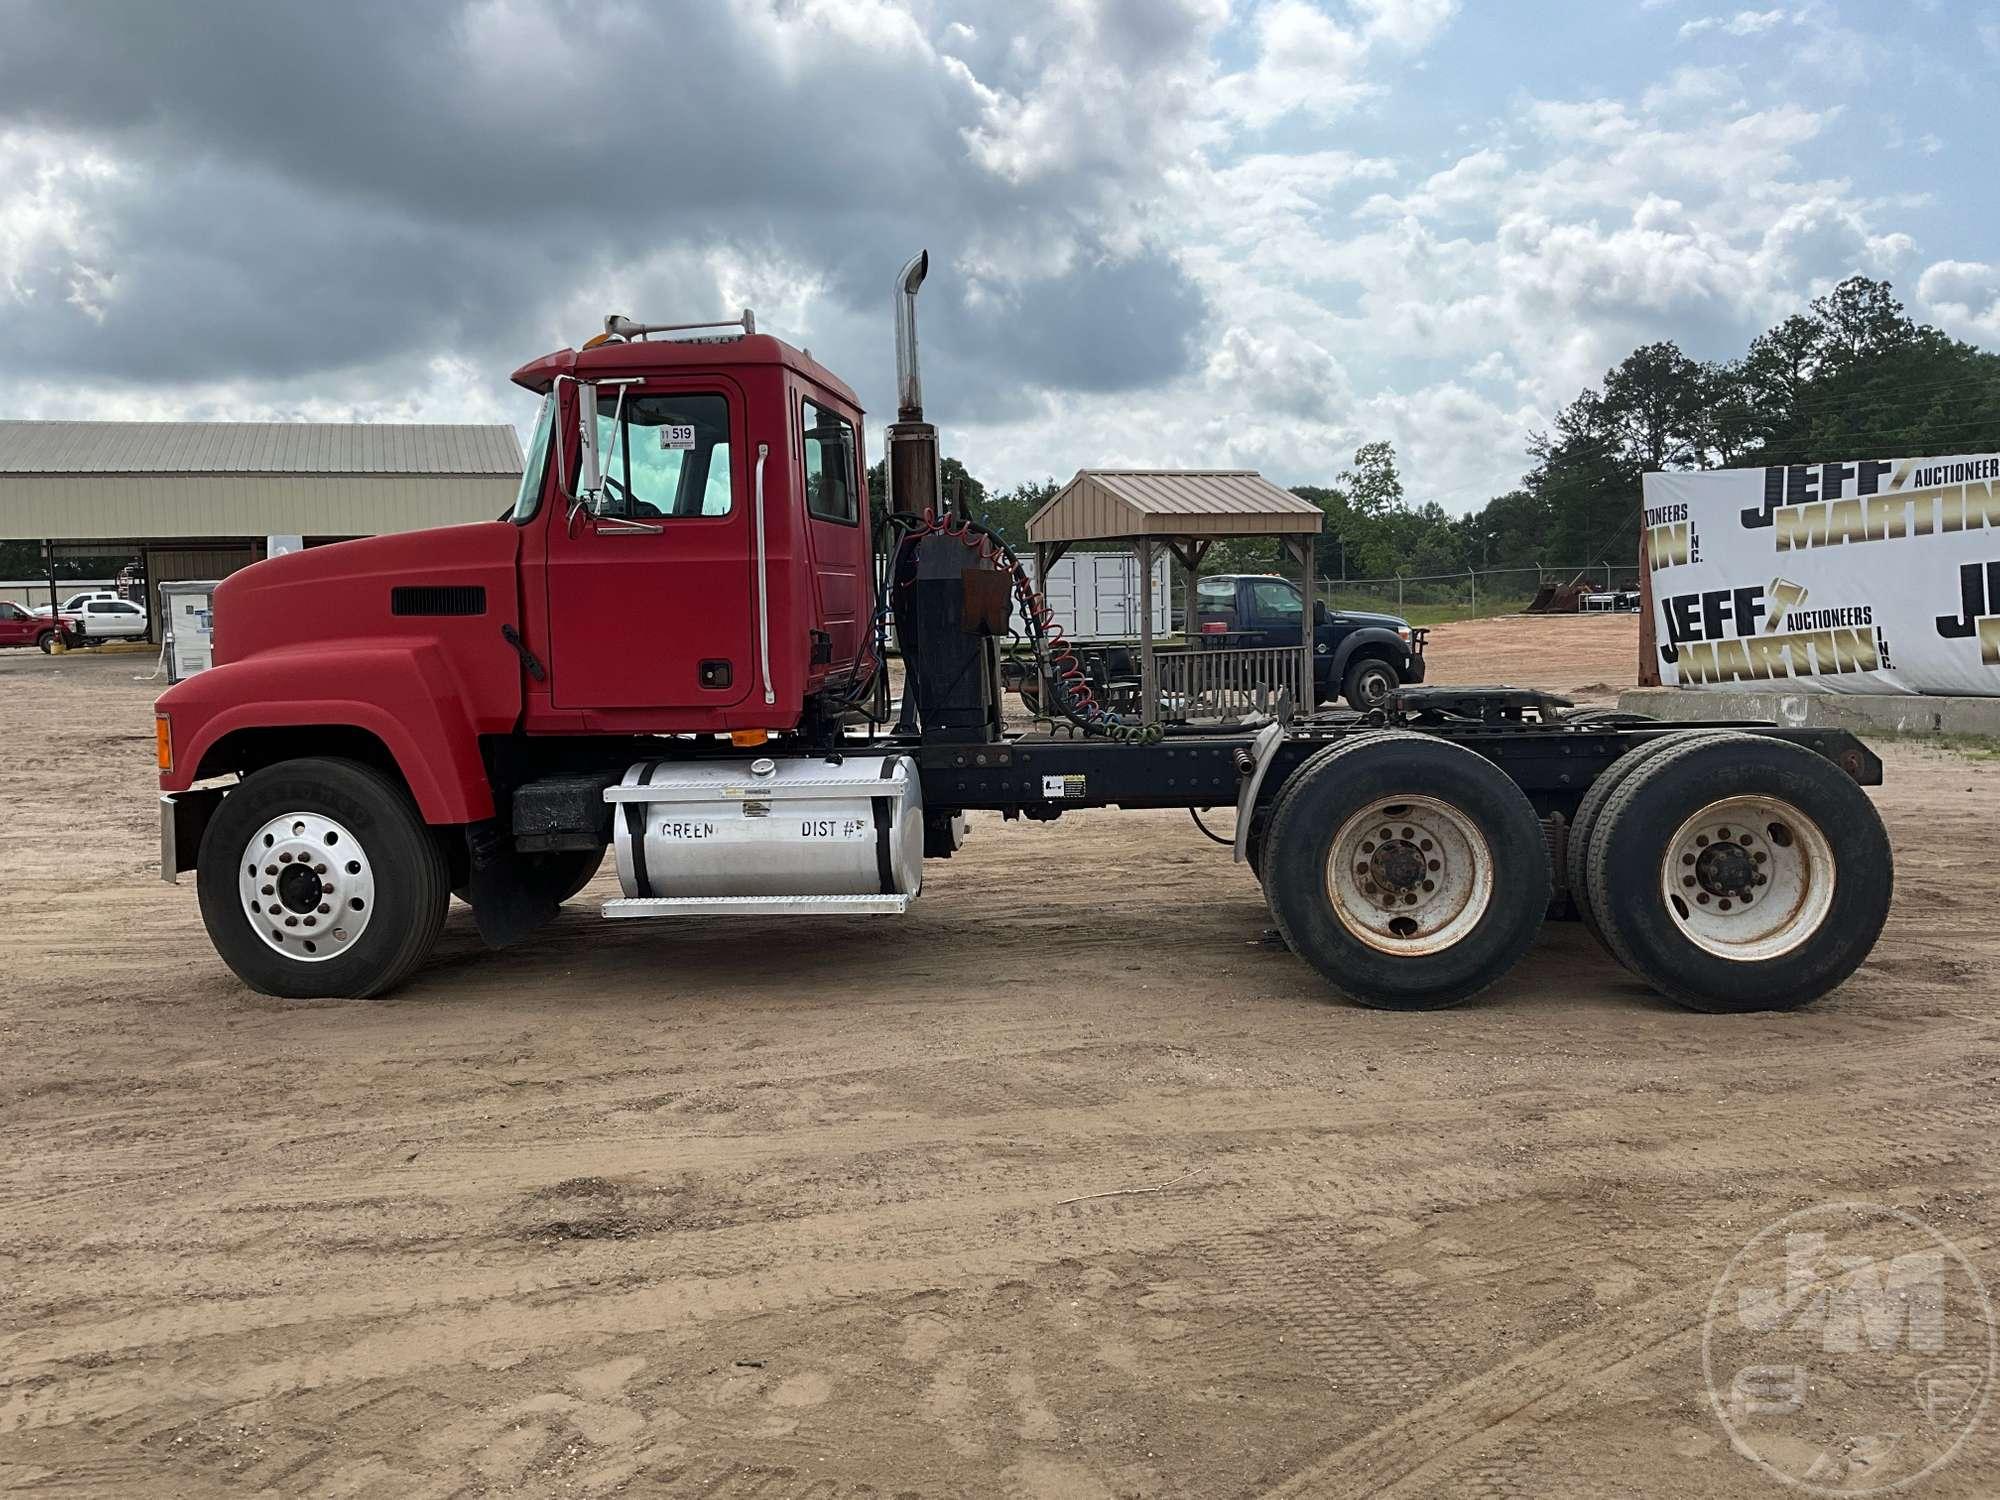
{"x":787,"y":1210}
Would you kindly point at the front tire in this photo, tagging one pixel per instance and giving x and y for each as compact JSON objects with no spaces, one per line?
{"x":1368,"y":683}
{"x":1409,"y":871}
{"x":46,"y":642}
{"x":318,"y":879}
{"x":1738,"y":873}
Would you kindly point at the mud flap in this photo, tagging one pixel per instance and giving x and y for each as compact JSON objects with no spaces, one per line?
{"x":505,"y":907}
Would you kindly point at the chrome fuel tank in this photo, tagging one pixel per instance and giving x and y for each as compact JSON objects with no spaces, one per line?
{"x":769,"y":827}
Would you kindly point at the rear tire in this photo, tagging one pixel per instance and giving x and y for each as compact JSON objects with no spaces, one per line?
{"x":1738,"y":873}
{"x":1429,"y":914}
{"x":1368,"y":683}
{"x":294,"y":918}
{"x":1590,"y":811}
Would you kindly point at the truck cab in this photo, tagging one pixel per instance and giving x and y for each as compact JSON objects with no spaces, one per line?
{"x":1357,"y":655}
{"x":688,"y":565}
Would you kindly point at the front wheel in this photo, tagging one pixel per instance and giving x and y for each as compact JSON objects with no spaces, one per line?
{"x":318,"y":879}
{"x":47,"y":642}
{"x":1409,"y":871}
{"x":1369,"y":683}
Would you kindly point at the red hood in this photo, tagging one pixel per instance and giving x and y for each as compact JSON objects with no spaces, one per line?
{"x":348,"y":589}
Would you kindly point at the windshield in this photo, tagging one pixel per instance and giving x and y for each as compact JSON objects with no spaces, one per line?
{"x":529,"y":500}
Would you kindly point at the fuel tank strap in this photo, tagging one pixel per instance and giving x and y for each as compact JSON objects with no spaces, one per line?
{"x":635,"y":828}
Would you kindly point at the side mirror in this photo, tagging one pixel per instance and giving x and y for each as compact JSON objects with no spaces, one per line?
{"x":1319,"y":611}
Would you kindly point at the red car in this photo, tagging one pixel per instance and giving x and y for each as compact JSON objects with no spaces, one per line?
{"x":20,"y":627}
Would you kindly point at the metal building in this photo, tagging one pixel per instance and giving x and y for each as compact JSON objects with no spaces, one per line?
{"x":201,"y":499}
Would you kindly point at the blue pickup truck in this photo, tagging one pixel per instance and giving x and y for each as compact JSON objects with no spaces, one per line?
{"x":1357,"y":656}
{"x":1360,"y":656}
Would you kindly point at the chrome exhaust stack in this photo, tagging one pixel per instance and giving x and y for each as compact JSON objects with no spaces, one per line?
{"x":912,"y":442}
{"x":909,"y":384}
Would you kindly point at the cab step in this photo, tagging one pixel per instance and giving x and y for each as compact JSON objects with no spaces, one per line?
{"x":762,"y":906}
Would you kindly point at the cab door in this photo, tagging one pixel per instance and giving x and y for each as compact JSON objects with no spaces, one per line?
{"x":649,"y":582}
{"x":1273,"y":611}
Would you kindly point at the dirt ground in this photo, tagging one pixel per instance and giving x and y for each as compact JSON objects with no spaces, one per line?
{"x":790,"y":1210}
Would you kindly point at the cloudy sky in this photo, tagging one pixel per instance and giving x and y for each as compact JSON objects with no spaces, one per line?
{"x":1187,"y":232}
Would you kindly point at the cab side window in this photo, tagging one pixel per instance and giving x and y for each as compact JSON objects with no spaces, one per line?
{"x":829,"y":465}
{"x":1274,"y":598}
{"x":664,"y":456}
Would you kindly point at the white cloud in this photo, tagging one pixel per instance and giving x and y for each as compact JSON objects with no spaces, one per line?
{"x":1743,"y":23}
{"x":1311,"y":64}
{"x":1964,"y":296}
{"x":49,"y":236}
{"x":1691,"y":90}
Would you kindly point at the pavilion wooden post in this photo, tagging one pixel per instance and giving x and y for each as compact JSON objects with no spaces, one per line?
{"x":1149,"y":681}
{"x":1308,"y":592}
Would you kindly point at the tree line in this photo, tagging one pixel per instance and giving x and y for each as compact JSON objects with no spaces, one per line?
{"x":1851,"y":377}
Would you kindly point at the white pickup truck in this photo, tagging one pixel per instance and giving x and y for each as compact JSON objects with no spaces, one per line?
{"x":104,"y":619}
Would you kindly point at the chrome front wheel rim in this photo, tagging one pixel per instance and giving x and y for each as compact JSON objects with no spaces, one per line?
{"x":307,"y":886}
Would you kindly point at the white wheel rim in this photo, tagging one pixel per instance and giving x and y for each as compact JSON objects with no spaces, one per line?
{"x":1409,"y":876}
{"x":1748,"y":878}
{"x":307,"y":885}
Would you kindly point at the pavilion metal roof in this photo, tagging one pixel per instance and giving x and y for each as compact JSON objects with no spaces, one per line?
{"x":1109,"y":503}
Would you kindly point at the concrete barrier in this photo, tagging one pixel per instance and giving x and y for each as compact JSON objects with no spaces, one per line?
{"x":1863,"y":713}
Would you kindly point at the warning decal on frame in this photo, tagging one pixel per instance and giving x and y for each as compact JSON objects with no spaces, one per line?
{"x":1062,"y":788}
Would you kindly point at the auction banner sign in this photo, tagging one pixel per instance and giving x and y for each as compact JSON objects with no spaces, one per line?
{"x":1876,"y":576}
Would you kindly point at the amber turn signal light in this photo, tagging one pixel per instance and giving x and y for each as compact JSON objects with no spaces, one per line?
{"x":748,"y":739}
{"x":163,"y":739}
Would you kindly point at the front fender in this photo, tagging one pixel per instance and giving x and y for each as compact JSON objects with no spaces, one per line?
{"x":402,"y":692}
{"x":1387,"y":642}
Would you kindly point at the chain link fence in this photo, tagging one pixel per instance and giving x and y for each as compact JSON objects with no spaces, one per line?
{"x":1426,"y":598}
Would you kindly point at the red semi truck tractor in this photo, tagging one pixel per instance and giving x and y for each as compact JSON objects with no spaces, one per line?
{"x":675,"y":647}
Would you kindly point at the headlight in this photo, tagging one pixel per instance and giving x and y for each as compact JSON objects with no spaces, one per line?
{"x":1404,"y":632}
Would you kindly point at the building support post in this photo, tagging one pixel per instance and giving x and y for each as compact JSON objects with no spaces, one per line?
{"x":55,"y":604}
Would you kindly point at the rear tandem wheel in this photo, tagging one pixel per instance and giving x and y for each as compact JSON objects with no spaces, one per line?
{"x":1734,"y":872}
{"x":1409,"y":871}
